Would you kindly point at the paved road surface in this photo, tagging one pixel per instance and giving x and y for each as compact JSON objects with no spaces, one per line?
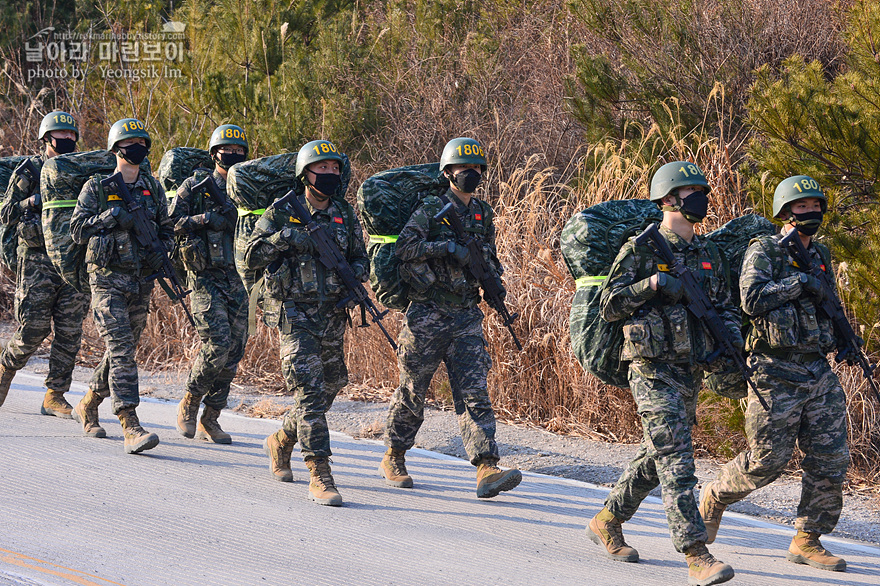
{"x":77,"y":510}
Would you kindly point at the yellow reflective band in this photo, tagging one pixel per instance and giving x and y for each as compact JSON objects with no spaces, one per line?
{"x":170,"y":194}
{"x":243,"y":212}
{"x":382,"y":239}
{"x":61,"y":203}
{"x":589,"y":281}
{"x":662,"y":267}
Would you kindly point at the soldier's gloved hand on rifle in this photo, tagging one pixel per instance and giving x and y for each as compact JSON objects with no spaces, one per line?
{"x":812,"y":286}
{"x":669,"y":286}
{"x":154,"y":260}
{"x":460,"y":254}
{"x":123,"y":219}
{"x":360,"y":273}
{"x":31,"y":203}
{"x":848,"y":355}
{"x":299,"y":240}
{"x":212,"y":221}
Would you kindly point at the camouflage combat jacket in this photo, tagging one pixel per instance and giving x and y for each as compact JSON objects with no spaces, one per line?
{"x":656,"y":329}
{"x":117,"y":250}
{"x":29,"y":225}
{"x":292,"y":276}
{"x":422,"y":246}
{"x":784,"y":318}
{"x":199,"y":247}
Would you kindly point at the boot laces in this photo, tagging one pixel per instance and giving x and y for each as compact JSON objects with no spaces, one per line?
{"x":699,"y":555}
{"x":323,"y":474}
{"x":398,"y":464}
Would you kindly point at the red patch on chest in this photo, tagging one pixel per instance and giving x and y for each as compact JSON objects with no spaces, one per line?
{"x":707,"y":266}
{"x":478,"y":217}
{"x":146,"y":192}
{"x":337,"y":220}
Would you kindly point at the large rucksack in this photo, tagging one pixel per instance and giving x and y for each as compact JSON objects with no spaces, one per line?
{"x":386,"y":201}
{"x":590,"y":242}
{"x":179,"y":163}
{"x":8,"y":234}
{"x":253,"y":186}
{"x":61,"y":180}
{"x":733,"y":240}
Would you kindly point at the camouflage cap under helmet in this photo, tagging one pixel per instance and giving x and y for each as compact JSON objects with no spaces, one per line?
{"x":57,"y":120}
{"x":674,"y":175}
{"x":463,"y":151}
{"x":228,"y":134}
{"x":795,"y":188}
{"x":125,"y":129}
{"x":312,"y":152}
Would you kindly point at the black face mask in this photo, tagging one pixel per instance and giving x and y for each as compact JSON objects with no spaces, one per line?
{"x":134,"y":153}
{"x":327,"y":183}
{"x":62,"y":146}
{"x":807,"y":223}
{"x":467,"y":181}
{"x":695,"y":207}
{"x":227,"y":160}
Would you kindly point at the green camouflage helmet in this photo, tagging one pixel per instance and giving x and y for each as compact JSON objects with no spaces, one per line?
{"x":57,"y":120}
{"x":127,"y":128}
{"x":463,"y":151}
{"x":228,"y":134}
{"x":795,"y":188}
{"x":671,"y":176}
{"x":312,"y":152}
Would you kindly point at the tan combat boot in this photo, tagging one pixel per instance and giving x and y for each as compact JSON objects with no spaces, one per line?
{"x":187,"y":412}
{"x":6,"y":376}
{"x":606,"y":530}
{"x":492,"y":480}
{"x":86,"y":412}
{"x":209,"y":428}
{"x":55,"y":404}
{"x":393,"y":468}
{"x":703,"y":568}
{"x":137,"y":439}
{"x":806,"y":549}
{"x":322,"y":489}
{"x":711,"y":511}
{"x":279,"y":447}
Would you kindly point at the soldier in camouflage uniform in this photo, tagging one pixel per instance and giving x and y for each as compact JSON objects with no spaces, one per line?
{"x":205,"y":231}
{"x":300,"y":298}
{"x":788,"y":342}
{"x":443,"y":323}
{"x":44,"y":303}
{"x":667,"y":348}
{"x":118,"y":270}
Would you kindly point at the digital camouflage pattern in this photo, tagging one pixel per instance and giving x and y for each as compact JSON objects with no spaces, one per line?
{"x":443,"y":323}
{"x":218,"y":299}
{"x":299,"y":298}
{"x":386,"y":200}
{"x":117,"y":278}
{"x":788,"y":344}
{"x":44,"y":303}
{"x":590,"y":241}
{"x":8,"y":233}
{"x":667,"y":347}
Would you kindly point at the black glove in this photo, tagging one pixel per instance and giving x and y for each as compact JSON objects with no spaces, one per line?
{"x":31,"y":203}
{"x":123,"y":219}
{"x":154,"y":260}
{"x":215,"y":221}
{"x":299,"y":240}
{"x":812,"y":286}
{"x":670,"y":287}
{"x":361,"y":273}
{"x":460,"y":254}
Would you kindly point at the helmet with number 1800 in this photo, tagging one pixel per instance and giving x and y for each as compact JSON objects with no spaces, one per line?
{"x":312,"y":152}
{"x":463,"y":151}
{"x":125,"y":129}
{"x":795,"y":188}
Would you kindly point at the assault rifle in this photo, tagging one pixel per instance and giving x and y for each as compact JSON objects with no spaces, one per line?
{"x":832,"y":307}
{"x":148,"y":239}
{"x":214,"y":192}
{"x":493,"y":291}
{"x":28,"y":170}
{"x":699,"y":305}
{"x":332,"y":258}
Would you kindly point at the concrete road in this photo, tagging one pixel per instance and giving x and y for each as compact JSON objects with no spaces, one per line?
{"x":78,"y":510}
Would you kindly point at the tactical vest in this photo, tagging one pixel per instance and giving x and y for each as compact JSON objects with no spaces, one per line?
{"x":204,"y":248}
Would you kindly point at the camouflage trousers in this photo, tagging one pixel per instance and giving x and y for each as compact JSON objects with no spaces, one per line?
{"x":313,"y":365}
{"x":429,"y":336}
{"x":666,"y":397}
{"x":45,"y":304}
{"x":807,"y":409}
{"x":120,"y":306}
{"x":220,"y":309}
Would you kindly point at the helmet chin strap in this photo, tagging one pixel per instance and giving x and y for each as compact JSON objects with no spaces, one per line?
{"x":672,"y":208}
